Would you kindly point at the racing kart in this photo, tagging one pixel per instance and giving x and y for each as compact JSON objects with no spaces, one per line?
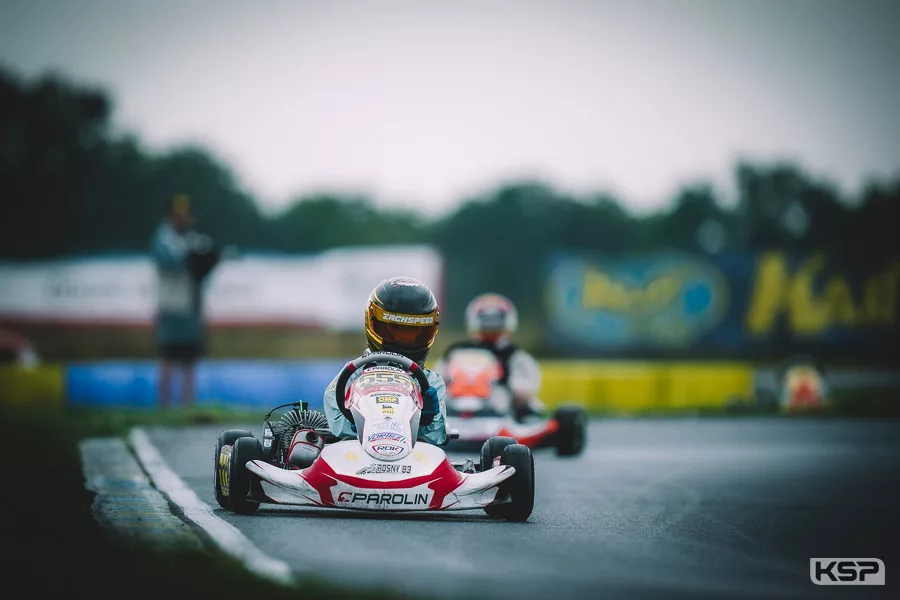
{"x":480,"y":408}
{"x":386,"y":468}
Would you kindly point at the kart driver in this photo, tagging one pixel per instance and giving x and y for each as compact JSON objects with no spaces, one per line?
{"x":396,"y":299}
{"x":491,"y":321}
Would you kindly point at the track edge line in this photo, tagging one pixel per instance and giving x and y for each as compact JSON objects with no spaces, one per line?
{"x":224,"y":535}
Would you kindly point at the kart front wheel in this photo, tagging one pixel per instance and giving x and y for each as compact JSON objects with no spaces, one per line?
{"x":241,"y":481}
{"x":519,"y":488}
{"x":224,"y":444}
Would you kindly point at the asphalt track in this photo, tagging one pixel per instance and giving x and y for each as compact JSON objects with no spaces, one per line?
{"x":681,"y":508}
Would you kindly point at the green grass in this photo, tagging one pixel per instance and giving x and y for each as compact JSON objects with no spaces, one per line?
{"x":869,"y":402}
{"x":55,"y":546}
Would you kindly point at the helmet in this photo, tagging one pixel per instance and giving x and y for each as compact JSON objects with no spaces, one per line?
{"x":402,"y":316}
{"x":491,"y":318}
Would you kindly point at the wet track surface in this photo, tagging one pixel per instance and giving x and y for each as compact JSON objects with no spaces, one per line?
{"x":684,"y":508}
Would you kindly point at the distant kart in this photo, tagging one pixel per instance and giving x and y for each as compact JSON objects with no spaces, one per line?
{"x":479,"y":408}
{"x":298,"y":461}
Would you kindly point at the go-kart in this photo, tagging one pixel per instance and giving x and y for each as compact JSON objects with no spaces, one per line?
{"x":480,"y":407}
{"x":386,"y":468}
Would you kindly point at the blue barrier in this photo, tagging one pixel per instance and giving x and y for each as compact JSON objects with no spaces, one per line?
{"x":263,"y":383}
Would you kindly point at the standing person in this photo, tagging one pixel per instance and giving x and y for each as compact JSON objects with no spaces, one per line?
{"x":183,"y":258}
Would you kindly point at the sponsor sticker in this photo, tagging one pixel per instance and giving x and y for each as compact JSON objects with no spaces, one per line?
{"x":380,"y":390}
{"x":389,"y":423}
{"x":377,"y":469}
{"x":387,"y":436}
{"x":224,"y":463}
{"x":387,"y":449}
{"x":405,"y":282}
{"x":386,"y":400}
{"x":386,"y":499}
{"x":406,"y":320}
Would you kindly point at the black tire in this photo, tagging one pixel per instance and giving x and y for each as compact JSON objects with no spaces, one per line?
{"x":519,"y":488}
{"x":492,"y":448}
{"x":572,"y":433}
{"x":226,"y":438}
{"x":242,"y":481}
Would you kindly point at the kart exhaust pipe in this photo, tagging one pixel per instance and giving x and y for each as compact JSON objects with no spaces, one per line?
{"x":305,"y":448}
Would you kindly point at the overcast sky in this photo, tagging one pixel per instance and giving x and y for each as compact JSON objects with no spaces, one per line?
{"x":420,"y":103}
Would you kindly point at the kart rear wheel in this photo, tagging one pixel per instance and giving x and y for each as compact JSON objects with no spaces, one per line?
{"x":226,"y":438}
{"x":241,"y":481}
{"x":519,"y":488}
{"x":493,"y":448}
{"x":572,"y":432}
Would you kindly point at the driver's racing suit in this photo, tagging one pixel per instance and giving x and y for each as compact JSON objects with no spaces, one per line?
{"x":521,"y":374}
{"x":435,"y":432}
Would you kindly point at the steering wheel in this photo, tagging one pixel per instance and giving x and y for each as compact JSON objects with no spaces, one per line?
{"x":353,"y":366}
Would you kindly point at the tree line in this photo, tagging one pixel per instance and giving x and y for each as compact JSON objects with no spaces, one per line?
{"x":71,"y":185}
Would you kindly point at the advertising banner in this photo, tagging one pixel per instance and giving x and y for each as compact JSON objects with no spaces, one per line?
{"x":326,"y":290}
{"x":740,"y":304}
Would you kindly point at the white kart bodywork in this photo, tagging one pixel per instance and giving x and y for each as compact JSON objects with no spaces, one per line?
{"x":352,"y":480}
{"x":384,"y":468}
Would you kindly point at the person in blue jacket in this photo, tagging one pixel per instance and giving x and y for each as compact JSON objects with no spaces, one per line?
{"x":402,"y":316}
{"x":183,"y":259}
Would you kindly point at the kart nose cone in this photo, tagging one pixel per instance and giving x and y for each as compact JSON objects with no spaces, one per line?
{"x":387,"y":445}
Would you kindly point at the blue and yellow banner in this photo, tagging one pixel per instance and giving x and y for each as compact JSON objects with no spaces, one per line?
{"x":743,"y":304}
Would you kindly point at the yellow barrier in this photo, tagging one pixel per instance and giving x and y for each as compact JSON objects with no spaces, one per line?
{"x":42,"y":385}
{"x":626,"y":386}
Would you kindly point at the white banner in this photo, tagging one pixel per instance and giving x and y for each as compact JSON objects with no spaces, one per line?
{"x":327,"y":290}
